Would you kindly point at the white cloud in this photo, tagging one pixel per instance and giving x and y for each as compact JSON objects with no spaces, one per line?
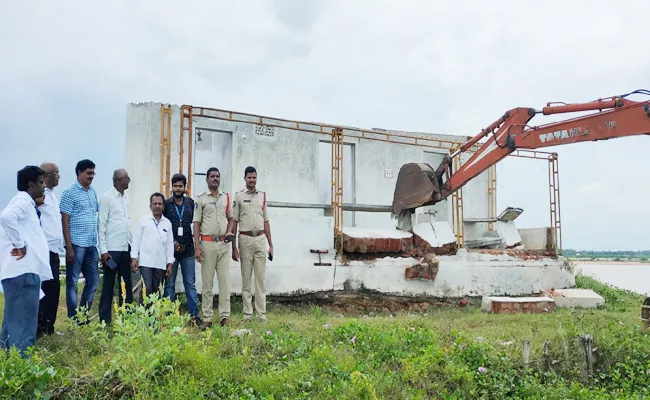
{"x":69,"y":68}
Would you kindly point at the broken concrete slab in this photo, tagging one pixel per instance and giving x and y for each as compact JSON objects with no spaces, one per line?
{"x":515,"y":305}
{"x":360,"y":240}
{"x":509,"y":233}
{"x":434,"y":237}
{"x":575,"y":298}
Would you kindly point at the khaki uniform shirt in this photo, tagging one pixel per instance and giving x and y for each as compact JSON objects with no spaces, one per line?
{"x":210,"y":213}
{"x":248,"y":212}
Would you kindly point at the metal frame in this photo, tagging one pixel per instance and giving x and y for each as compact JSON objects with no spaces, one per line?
{"x":458,"y":216}
{"x":165,"y":149}
{"x":186,"y":127}
{"x":553,"y":187}
{"x":188,"y":112}
{"x":337,"y":184}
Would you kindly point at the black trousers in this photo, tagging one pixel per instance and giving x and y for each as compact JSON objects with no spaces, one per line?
{"x":123,"y":273}
{"x":153,"y":279}
{"x":49,"y":304}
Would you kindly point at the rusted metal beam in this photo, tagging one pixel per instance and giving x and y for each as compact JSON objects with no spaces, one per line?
{"x":344,"y":206}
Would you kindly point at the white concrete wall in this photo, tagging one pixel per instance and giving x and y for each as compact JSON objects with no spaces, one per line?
{"x":536,"y":238}
{"x":468,"y":274}
{"x":289,"y":165}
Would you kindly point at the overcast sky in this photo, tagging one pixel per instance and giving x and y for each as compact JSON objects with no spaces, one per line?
{"x":68,"y":69}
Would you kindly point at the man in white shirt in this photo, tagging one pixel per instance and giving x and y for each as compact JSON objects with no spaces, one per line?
{"x":53,"y":229}
{"x":153,"y":246}
{"x":24,"y":261}
{"x":114,"y":243}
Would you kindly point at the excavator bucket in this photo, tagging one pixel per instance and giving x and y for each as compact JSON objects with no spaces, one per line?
{"x":416,"y":186}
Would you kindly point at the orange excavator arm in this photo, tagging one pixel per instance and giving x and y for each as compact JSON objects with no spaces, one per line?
{"x":419,"y":185}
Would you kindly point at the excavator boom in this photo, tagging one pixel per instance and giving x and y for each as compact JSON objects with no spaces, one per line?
{"x":419,"y":185}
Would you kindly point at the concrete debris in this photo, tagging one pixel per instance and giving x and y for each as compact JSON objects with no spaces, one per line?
{"x":240,"y":332}
{"x":516,"y":305}
{"x":575,"y":298}
{"x":426,"y":270}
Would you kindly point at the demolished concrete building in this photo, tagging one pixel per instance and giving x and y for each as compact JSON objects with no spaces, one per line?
{"x":329,"y":194}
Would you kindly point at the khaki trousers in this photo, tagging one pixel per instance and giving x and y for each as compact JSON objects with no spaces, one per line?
{"x":216,"y":257}
{"x":252,"y":253}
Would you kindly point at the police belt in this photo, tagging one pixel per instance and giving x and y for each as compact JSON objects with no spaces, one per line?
{"x":208,"y":238}
{"x":252,"y":233}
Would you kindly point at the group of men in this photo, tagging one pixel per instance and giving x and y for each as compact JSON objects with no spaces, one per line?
{"x":36,"y":227}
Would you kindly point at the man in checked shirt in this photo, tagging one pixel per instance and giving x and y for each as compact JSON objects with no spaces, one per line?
{"x":80,"y":210}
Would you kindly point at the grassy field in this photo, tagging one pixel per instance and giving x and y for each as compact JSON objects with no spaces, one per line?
{"x":314,"y":352}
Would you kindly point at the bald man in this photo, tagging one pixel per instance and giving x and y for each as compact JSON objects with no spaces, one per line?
{"x":48,"y":205}
{"x":115,"y":243}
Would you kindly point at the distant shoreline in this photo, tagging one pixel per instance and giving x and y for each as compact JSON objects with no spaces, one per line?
{"x":609,"y":262}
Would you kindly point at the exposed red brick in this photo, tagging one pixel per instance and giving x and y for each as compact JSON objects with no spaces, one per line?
{"x":522,"y":254}
{"x":421,"y":247}
{"x":463,"y":302}
{"x":532,"y":307}
{"x":427,"y":269}
{"x":375,"y":245}
{"x":411,"y":273}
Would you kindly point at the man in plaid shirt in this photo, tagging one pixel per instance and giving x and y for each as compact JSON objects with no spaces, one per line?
{"x":79,"y":210}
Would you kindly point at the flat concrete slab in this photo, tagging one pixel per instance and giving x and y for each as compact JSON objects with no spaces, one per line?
{"x":576,"y":298}
{"x":515,"y":305}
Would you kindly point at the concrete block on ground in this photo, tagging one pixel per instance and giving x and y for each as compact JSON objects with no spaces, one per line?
{"x":575,"y":298}
{"x":516,"y":305}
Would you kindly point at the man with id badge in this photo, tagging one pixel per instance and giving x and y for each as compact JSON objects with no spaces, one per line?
{"x":179,"y":209}
{"x":153,"y":246}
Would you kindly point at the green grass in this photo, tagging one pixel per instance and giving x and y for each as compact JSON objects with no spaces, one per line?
{"x":311,"y":352}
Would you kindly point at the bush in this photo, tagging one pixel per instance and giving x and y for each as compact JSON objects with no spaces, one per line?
{"x":150,"y":352}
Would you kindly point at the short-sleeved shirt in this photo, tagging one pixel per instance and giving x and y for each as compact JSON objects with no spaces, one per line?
{"x":83,"y":208}
{"x":249,"y":210}
{"x":212,"y":213}
{"x":172,"y":211}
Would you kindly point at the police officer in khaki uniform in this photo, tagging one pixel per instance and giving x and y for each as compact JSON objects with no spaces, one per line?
{"x":212,"y":220}
{"x":249,"y":212}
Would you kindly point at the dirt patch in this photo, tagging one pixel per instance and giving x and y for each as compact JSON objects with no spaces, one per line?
{"x":356,"y":303}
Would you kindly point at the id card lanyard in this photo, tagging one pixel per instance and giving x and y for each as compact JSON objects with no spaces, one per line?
{"x":180,"y":217}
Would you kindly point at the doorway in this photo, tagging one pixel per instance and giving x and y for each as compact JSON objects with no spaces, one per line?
{"x":212,"y":148}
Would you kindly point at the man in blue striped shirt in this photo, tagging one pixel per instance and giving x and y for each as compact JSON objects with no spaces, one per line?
{"x":79,"y":210}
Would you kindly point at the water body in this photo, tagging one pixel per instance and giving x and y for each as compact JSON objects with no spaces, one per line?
{"x":624,"y":275}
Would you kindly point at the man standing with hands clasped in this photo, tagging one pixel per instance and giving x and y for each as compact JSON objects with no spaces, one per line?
{"x":153,"y":246}
{"x":114,"y":243}
{"x":212,"y":220}
{"x":249,"y":211}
